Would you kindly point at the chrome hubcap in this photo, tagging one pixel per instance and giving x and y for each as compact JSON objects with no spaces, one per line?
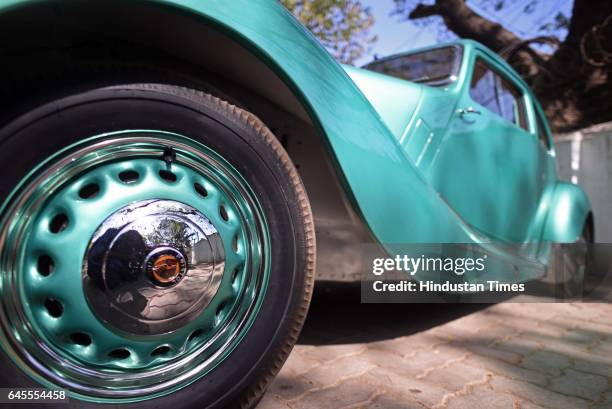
{"x":153,"y":266}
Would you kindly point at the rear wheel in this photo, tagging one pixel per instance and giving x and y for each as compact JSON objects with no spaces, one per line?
{"x":571,"y":265}
{"x":157,"y":247}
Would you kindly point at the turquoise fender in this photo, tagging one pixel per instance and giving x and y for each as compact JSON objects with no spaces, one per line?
{"x":393,"y":198}
{"x":569,"y":210}
{"x":392,"y":195}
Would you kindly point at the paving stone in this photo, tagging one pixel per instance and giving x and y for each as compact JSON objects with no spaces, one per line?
{"x":326,"y":353}
{"x":398,"y":348}
{"x":592,"y":326}
{"x":524,"y":310}
{"x":520,"y":323}
{"x":522,"y":344}
{"x":530,"y":405}
{"x":507,"y":370}
{"x":414,"y":365}
{"x":449,"y":350}
{"x":547,"y":361}
{"x":349,"y":392}
{"x":572,"y":350}
{"x":391,"y":362}
{"x":494,"y":353}
{"x":537,"y":395}
{"x":606,"y":403}
{"x":385,"y":401}
{"x":426,"y":393}
{"x":603,"y":348}
{"x":585,"y":385}
{"x":599,"y":367}
{"x":562,"y":321}
{"x":548,"y":329}
{"x":582,"y":337}
{"x":483,"y":397}
{"x":407,"y":346}
{"x":477,"y":322}
{"x":272,"y":402}
{"x":341,"y":368}
{"x":463,"y":328}
{"x":579,"y":312}
{"x":495,"y":334}
{"x":604,"y":318}
{"x":298,"y":363}
{"x":456,"y":376}
{"x":291,"y":387}
{"x":440,"y":356}
{"x":516,"y":356}
{"x":420,"y":341}
{"x":606,"y":342}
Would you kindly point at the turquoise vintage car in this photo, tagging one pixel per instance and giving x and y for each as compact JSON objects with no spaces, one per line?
{"x":168,"y":165}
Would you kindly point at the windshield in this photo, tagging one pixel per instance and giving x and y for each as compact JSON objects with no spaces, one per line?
{"x":436,"y":67}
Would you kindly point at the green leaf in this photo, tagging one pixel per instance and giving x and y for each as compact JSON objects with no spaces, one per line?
{"x":342,"y":26}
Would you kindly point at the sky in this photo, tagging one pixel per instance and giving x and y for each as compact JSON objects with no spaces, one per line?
{"x":395,"y":35}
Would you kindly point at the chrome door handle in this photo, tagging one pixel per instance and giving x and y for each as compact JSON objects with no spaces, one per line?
{"x":468,"y":110}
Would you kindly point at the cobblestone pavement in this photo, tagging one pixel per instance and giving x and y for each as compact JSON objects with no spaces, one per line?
{"x":510,"y":355}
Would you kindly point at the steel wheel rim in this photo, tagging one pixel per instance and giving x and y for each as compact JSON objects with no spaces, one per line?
{"x":40,"y":349}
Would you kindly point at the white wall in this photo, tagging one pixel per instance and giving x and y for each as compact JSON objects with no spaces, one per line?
{"x":585,"y":157}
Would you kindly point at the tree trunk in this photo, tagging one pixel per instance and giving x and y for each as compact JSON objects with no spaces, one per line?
{"x":573,"y":88}
{"x":573,"y":91}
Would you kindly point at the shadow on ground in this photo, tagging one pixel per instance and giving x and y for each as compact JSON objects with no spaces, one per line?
{"x":338,"y":316}
{"x":553,"y":355}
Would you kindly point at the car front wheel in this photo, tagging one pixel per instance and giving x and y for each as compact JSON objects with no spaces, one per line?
{"x":157,"y":249}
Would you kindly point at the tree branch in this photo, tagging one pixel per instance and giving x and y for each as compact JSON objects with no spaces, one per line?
{"x":423,"y":11}
{"x":573,"y":92}
{"x":466,"y":23}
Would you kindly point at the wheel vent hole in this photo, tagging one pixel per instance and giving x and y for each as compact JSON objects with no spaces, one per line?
{"x":200,"y":189}
{"x":120,"y":353}
{"x":80,"y":338}
{"x":160,"y":351}
{"x":167,"y":176}
{"x":54,"y":307}
{"x":235,"y":244}
{"x":195,"y":334}
{"x":220,"y":308}
{"x":223,"y":213}
{"x":59,"y":223}
{"x":235,"y":274}
{"x":45,"y":265}
{"x":89,"y":191}
{"x":129,"y":176}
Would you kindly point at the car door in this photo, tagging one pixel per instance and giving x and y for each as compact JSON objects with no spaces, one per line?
{"x":488,"y":167}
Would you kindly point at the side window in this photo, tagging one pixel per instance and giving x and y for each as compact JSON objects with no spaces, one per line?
{"x":542,"y":134}
{"x":498,"y":95}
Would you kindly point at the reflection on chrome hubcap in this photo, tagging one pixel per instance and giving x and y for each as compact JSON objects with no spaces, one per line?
{"x":153,"y":266}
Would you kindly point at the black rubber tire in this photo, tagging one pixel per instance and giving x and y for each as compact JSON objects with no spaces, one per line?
{"x":242,"y":139}
{"x":572,"y":266}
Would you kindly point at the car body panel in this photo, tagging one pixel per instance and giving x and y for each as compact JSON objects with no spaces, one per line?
{"x":385,"y":151}
{"x":487,"y":168}
{"x":395,"y":108}
{"x":569,"y":209}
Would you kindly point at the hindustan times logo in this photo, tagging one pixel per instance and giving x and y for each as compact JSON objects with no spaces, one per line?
{"x":413,"y":265}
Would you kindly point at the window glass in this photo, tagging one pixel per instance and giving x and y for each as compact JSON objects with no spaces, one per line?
{"x":436,"y":67}
{"x":497,"y":95}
